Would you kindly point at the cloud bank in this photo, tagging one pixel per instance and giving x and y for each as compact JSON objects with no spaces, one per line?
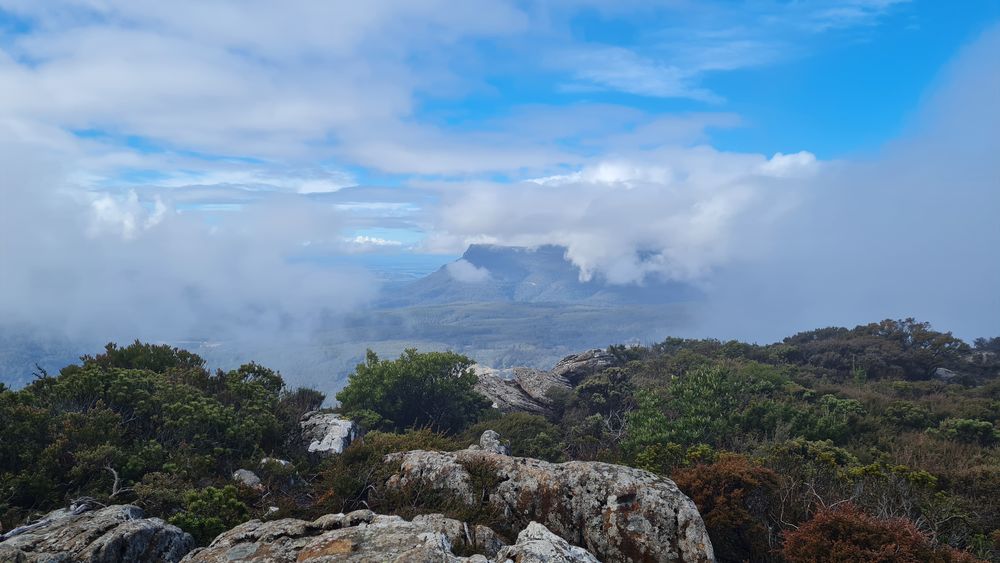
{"x":911,"y":231}
{"x":109,"y":266}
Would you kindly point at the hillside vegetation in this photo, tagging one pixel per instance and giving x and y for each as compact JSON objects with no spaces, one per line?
{"x":878,"y":443}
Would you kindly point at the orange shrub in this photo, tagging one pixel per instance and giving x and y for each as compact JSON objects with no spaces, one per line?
{"x":846,"y":534}
{"x":732,"y":495}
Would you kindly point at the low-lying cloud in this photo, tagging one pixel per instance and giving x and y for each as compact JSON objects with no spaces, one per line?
{"x":911,"y":231}
{"x":467,"y":272}
{"x":676,"y":213}
{"x":110,"y":266}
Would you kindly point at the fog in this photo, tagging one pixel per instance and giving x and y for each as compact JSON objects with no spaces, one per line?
{"x":911,"y":231}
{"x":98,"y":267}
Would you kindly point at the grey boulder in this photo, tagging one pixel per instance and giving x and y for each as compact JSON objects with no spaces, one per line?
{"x":490,"y":442}
{"x":248,"y":478}
{"x":110,"y":534}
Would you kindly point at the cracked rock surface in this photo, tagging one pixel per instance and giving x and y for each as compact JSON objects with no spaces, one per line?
{"x":617,"y":513}
{"x":110,"y":534}
{"x":362,"y":536}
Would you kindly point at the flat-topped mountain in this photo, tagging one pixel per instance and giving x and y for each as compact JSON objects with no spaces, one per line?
{"x":489,"y":273}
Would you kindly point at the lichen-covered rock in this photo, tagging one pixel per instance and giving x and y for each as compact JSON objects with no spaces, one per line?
{"x":464,"y":537}
{"x":362,"y":536}
{"x":103,"y":535}
{"x":358,"y":536}
{"x":490,"y":442}
{"x":617,"y":513}
{"x":536,"y":544}
{"x":327,"y":433}
{"x":578,"y":366}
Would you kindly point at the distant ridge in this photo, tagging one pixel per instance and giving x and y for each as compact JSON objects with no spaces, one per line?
{"x":490,"y":273}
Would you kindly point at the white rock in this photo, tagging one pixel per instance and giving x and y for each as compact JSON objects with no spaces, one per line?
{"x":327,"y":433}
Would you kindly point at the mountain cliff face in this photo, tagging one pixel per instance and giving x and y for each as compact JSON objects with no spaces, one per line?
{"x":488,"y":273}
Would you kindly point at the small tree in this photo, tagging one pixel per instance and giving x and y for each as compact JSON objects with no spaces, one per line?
{"x":434,"y":389}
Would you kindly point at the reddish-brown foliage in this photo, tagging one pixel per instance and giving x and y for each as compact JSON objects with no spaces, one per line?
{"x":846,"y":534}
{"x":732,"y":495}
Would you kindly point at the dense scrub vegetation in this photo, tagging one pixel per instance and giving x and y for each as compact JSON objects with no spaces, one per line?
{"x":878,"y":443}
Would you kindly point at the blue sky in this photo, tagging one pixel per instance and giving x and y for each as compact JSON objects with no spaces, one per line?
{"x":648,"y":138}
{"x":832,"y":77}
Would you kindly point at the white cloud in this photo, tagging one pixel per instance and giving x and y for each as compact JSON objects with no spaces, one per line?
{"x":235,"y":78}
{"x":123,"y":266}
{"x":780,"y":165}
{"x":466,"y":272}
{"x":621,"y":69}
{"x":908,"y":232}
{"x":693,"y":40}
{"x":363,"y":240}
{"x":124,"y":215}
{"x":622,"y":173}
{"x":675,"y":213}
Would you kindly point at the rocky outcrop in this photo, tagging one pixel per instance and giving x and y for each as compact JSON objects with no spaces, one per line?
{"x":327,"y":433}
{"x":536,"y":544}
{"x":519,"y":389}
{"x":362,"y":536}
{"x":523,"y":389}
{"x":537,"y":383}
{"x":269,"y":462}
{"x":85,"y":532}
{"x":578,"y":366}
{"x":500,"y":387}
{"x":617,"y":513}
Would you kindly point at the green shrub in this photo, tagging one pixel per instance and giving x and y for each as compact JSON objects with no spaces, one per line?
{"x":907,"y":414}
{"x":433,"y":390}
{"x":529,"y":435}
{"x":968,"y":430}
{"x":209,"y":512}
